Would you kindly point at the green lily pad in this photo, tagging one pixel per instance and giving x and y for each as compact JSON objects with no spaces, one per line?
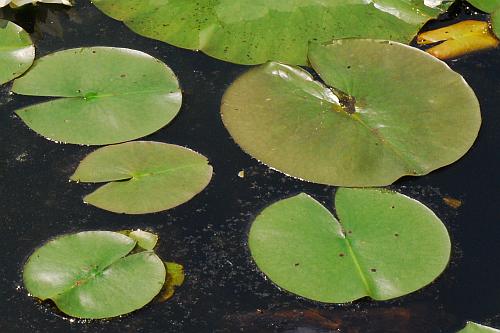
{"x":476,"y":328}
{"x":109,"y":95}
{"x":16,"y":51}
{"x":145,"y":177}
{"x":386,"y":245}
{"x":90,"y":274}
{"x":255,"y":31}
{"x":386,"y":110}
{"x":487,"y":6}
{"x":144,"y":239}
{"x":495,"y":22}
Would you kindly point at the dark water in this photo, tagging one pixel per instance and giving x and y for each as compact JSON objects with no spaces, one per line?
{"x":224,"y":292}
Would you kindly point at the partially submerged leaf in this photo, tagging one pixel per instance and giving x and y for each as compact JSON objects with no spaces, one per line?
{"x":459,"y":39}
{"x":145,"y":177}
{"x":256,"y":31}
{"x":476,"y":328}
{"x":386,"y":110}
{"x":16,"y":51}
{"x":109,"y":95}
{"x":175,"y":278}
{"x":89,"y":275}
{"x":385,"y":246}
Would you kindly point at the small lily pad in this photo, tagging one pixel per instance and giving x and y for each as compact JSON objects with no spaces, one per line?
{"x":145,"y":177}
{"x":476,"y":328}
{"x":108,"y":95}
{"x":384,"y":110}
{"x":144,"y":239}
{"x":386,"y":245}
{"x":256,"y":31}
{"x":92,"y":275}
{"x":16,"y":51}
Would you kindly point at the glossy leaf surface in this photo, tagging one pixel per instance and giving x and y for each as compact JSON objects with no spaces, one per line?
{"x":476,"y":328}
{"x":386,"y":110}
{"x":16,"y":51}
{"x":145,"y":177}
{"x":385,"y":246}
{"x":109,"y":95}
{"x":89,"y":275}
{"x":256,"y":31}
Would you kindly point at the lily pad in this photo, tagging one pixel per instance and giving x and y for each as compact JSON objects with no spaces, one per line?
{"x":495,"y":22}
{"x":459,"y":39}
{"x":90,"y":274}
{"x":487,"y":6}
{"x":255,"y":31}
{"x":175,"y":278}
{"x":145,"y":177}
{"x":476,"y":328}
{"x":109,"y":95}
{"x":385,"y":246}
{"x":386,"y":110}
{"x":16,"y":51}
{"x":144,"y":239}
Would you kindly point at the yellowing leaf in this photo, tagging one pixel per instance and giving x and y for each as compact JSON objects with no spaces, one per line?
{"x":175,"y":278}
{"x":459,"y":39}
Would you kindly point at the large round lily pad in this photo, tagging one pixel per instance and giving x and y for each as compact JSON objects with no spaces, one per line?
{"x":109,"y":95}
{"x":16,"y":51}
{"x":255,"y":31}
{"x":145,"y":177}
{"x":385,"y":246}
{"x":385,"y":110}
{"x":91,"y":275}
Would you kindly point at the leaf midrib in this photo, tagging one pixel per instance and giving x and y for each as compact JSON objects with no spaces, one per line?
{"x":369,"y":290}
{"x":139,"y":175}
{"x":411,"y":167}
{"x":92,"y":277}
{"x":106,"y":95}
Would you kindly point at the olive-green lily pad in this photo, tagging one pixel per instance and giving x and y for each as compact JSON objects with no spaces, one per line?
{"x":255,"y":31}
{"x":92,"y":275}
{"x":487,"y":6}
{"x":476,"y":328}
{"x":385,"y":110}
{"x":108,"y":95}
{"x":16,"y":51}
{"x":386,"y":245}
{"x":145,"y":177}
